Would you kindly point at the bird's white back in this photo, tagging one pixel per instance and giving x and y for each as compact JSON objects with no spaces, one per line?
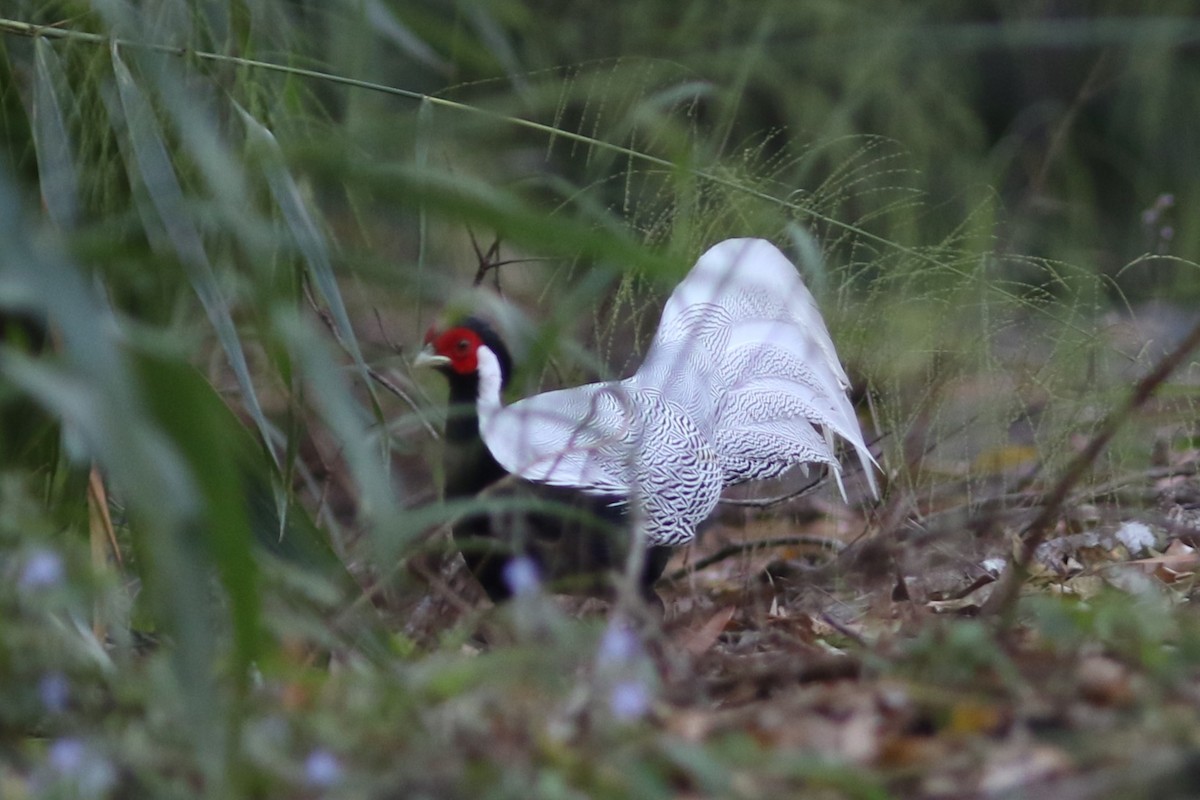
{"x":741,"y":352}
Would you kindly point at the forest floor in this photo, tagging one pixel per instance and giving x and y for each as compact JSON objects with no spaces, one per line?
{"x":859,"y":655}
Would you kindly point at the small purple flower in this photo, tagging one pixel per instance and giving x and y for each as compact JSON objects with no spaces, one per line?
{"x":629,"y":701}
{"x":54,"y":691}
{"x":66,"y":756}
{"x":521,"y":576}
{"x":322,"y":769}
{"x":620,"y":644}
{"x":43,"y":569}
{"x":72,"y":763}
{"x":1153,"y":214}
{"x":1166,"y":233}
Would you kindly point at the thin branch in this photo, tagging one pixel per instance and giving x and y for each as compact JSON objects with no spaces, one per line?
{"x":488,"y":262}
{"x":769,"y":502}
{"x":845,"y":630}
{"x":737,"y":548}
{"x":440,"y":587}
{"x":808,"y":488}
{"x":395,"y":347}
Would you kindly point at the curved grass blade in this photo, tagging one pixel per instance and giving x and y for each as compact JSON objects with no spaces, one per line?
{"x":162,"y":185}
{"x":590,"y":234}
{"x":185,"y":407}
{"x":494,"y":38}
{"x":308,"y":240}
{"x":346,"y":421}
{"x":809,"y":257}
{"x":918,"y":254}
{"x":57,"y":172}
{"x":424,"y":144}
{"x":387,"y":24}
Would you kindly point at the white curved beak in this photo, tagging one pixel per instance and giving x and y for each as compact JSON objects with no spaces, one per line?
{"x":428,"y":358}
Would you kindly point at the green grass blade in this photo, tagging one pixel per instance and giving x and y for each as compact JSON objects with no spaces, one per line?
{"x":308,"y":240}
{"x":387,"y":24}
{"x":186,"y":408}
{"x":57,"y":171}
{"x":162,"y":184}
{"x":350,"y":427}
{"x":97,"y":397}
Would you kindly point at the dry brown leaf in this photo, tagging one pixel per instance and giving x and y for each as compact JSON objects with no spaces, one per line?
{"x":699,"y":640}
{"x":1132,"y":580}
{"x":969,"y":718}
{"x":1084,"y":587}
{"x":912,"y":751}
{"x":1173,"y":561}
{"x":1173,"y":565}
{"x":1104,"y":681}
{"x":970,"y":602}
{"x":1009,"y":457}
{"x":843,"y":725}
{"x":1010,"y":767}
{"x":1178,"y":547}
{"x":691,"y":725}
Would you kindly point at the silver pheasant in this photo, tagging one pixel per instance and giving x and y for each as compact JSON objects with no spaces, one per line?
{"x":740,"y":383}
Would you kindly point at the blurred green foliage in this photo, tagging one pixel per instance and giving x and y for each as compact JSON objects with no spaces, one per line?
{"x":987,"y":184}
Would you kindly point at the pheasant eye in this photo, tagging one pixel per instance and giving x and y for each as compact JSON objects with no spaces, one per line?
{"x":463,"y":345}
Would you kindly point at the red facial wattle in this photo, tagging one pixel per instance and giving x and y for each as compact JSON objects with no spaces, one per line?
{"x":459,"y":344}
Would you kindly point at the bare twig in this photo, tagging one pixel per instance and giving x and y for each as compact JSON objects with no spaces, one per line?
{"x":808,"y":488}
{"x":737,"y":548}
{"x":491,"y":262}
{"x":488,"y":262}
{"x":844,"y":630}
{"x":440,"y":587}
{"x":769,"y":502}
{"x":100,"y":521}
{"x":1034,"y":534}
{"x":395,"y":347}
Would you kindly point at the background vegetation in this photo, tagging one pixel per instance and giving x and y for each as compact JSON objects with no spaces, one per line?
{"x":226,"y":225}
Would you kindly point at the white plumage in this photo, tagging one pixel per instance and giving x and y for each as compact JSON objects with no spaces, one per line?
{"x":741,"y":382}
